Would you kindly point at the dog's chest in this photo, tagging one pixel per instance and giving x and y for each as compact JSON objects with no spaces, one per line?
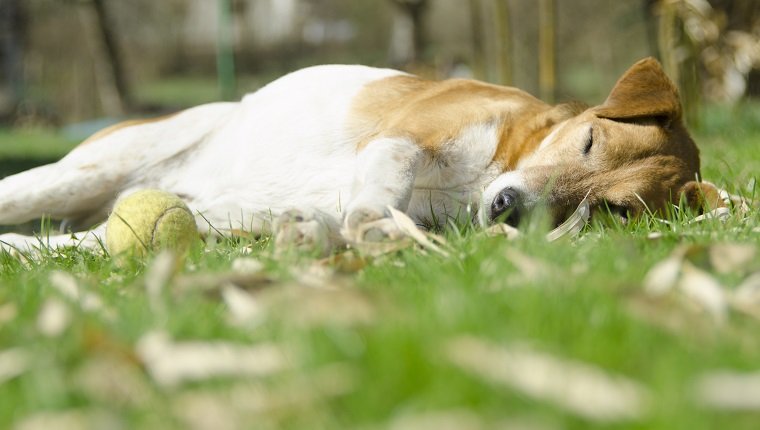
{"x":451,"y":179}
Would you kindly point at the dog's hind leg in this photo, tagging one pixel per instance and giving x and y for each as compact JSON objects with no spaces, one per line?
{"x":59,"y":190}
{"x":83,"y":185}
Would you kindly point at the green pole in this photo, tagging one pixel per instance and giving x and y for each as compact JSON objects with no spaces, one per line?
{"x":225,"y":55}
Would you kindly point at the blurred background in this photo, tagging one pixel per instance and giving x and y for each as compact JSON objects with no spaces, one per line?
{"x":69,"y":67}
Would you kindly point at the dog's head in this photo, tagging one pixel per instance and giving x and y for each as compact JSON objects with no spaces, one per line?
{"x":629,"y":155}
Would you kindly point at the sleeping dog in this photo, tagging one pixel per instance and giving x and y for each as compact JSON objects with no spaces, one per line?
{"x":320,"y":154}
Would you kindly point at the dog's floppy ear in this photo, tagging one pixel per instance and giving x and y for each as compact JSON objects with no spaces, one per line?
{"x":701,"y":196}
{"x":644,"y":91}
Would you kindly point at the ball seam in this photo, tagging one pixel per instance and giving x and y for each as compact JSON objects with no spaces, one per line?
{"x":158,"y":220}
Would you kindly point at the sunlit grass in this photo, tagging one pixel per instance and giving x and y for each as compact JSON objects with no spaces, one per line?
{"x":366,"y":339}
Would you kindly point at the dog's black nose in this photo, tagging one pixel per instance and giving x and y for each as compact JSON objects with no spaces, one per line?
{"x":505,"y":207}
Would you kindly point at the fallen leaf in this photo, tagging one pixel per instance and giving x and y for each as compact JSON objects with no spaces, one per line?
{"x":157,"y":277}
{"x":730,"y":258}
{"x":729,"y":390}
{"x":245,"y":310}
{"x":213,"y":283}
{"x":662,"y":277}
{"x":8,"y":313}
{"x":573,"y":224}
{"x":13,"y":362}
{"x":704,"y":290}
{"x":74,"y":419}
{"x":315,"y":307}
{"x":172,"y":363}
{"x":579,"y":388}
{"x":532,"y":269}
{"x":504,"y":230}
{"x":377,"y":249}
{"x":70,"y":289}
{"x":720,"y":214}
{"x":54,"y":318}
{"x":746,"y":297}
{"x":439,"y":420}
{"x":408,"y":226}
{"x":247,"y":266}
{"x":114,"y":382}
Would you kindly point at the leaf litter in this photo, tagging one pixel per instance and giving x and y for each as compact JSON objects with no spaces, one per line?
{"x":579,"y":388}
{"x":686,"y":275}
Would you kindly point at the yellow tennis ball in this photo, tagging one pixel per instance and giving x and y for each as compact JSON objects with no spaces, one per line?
{"x":149,"y":220}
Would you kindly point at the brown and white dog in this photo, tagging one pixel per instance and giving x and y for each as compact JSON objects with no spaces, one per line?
{"x":324,"y":151}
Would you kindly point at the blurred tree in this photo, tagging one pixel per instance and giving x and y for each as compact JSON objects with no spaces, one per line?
{"x":113,"y":52}
{"x":504,"y":31}
{"x":225,"y":52}
{"x":476,"y":27}
{"x":709,"y":48}
{"x":408,"y":40}
{"x":547,"y":56}
{"x":12,"y":23}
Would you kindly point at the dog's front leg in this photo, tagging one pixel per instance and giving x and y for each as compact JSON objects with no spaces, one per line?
{"x":385,"y":173}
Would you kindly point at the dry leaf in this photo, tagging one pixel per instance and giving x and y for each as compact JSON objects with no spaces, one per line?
{"x":69,"y":288}
{"x":662,"y":277}
{"x":247,"y":266}
{"x":502,"y":229}
{"x":531,"y":268}
{"x":8,"y":313}
{"x":746,"y":297}
{"x":54,"y":318}
{"x":579,"y":388}
{"x":158,"y":275}
{"x":439,"y":420}
{"x":377,"y":249}
{"x":207,"y":411}
{"x":720,"y":214}
{"x":70,"y":420}
{"x":408,"y":226}
{"x":729,"y":258}
{"x":574,"y":224}
{"x":114,"y":382}
{"x":13,"y":362}
{"x":244,"y":308}
{"x":213,"y":283}
{"x":730,"y":390}
{"x":172,"y":363}
{"x":705,"y":290}
{"x":315,"y":307}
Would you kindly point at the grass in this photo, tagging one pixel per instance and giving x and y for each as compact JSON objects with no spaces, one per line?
{"x":367,"y":341}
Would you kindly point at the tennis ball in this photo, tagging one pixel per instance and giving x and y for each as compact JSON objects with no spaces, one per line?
{"x":149,"y":220}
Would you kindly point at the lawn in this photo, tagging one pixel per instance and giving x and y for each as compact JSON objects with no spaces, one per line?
{"x":653,"y":325}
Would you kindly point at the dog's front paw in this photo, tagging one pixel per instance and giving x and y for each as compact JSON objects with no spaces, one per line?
{"x":299,"y":230}
{"x":366,"y":225}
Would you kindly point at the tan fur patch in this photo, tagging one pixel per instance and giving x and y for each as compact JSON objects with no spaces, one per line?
{"x":434,"y":113}
{"x":124,"y":124}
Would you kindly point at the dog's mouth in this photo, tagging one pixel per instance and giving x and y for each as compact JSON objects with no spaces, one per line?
{"x":508,"y":206}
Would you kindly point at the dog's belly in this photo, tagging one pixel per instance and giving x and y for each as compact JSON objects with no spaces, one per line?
{"x":287,"y":146}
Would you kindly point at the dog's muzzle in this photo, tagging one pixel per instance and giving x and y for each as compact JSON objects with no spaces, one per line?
{"x":506,"y":207}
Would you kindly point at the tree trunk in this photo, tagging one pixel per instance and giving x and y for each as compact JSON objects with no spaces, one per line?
{"x":547,"y":80}
{"x":504,"y":31}
{"x":12,"y":54}
{"x":113,"y":53}
{"x":408,"y":40}
{"x":476,"y":28}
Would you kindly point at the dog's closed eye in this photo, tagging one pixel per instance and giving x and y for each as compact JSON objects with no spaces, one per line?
{"x":589,"y":141}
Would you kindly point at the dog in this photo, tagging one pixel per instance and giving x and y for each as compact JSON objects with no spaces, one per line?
{"x":317,"y":157}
